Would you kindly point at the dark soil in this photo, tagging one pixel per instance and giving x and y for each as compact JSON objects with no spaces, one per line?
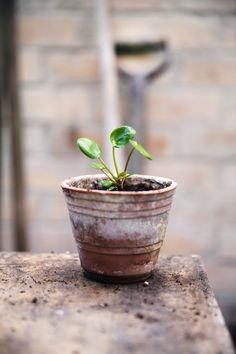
{"x":131,"y":185}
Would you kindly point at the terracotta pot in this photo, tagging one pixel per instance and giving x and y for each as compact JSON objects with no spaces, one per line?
{"x":118,"y":234}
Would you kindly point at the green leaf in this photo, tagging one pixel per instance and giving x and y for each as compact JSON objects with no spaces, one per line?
{"x":112,"y":188}
{"x":107,"y":183}
{"x":121,"y":136}
{"x":89,"y":147}
{"x":140,"y":149}
{"x":97,"y":166}
{"x":123,"y":175}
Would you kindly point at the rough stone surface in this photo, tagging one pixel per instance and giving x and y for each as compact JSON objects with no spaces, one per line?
{"x":47,"y":306}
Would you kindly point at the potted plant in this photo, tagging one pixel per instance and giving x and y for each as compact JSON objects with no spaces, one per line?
{"x":118,"y":220}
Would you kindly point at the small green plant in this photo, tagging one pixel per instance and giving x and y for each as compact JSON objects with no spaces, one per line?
{"x":119,"y":138}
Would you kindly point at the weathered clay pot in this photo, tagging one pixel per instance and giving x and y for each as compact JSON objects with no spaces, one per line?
{"x":118,"y":234}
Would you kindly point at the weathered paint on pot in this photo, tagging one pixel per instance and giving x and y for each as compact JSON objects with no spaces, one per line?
{"x":118,"y":234}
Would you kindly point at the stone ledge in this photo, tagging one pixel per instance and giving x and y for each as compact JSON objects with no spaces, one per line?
{"x":48,"y":306}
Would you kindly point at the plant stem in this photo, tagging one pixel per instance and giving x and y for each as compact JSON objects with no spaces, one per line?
{"x":110,"y":178}
{"x":114,"y":160}
{"x":122,"y":184}
{"x":127,"y":162}
{"x":106,"y":167}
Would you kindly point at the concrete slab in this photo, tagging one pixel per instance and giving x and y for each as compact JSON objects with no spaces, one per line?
{"x":47,"y":306}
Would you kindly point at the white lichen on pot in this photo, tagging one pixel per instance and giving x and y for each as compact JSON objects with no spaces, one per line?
{"x":118,"y":220}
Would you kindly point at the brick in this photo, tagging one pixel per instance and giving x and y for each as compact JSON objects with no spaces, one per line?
{"x":225,"y":199}
{"x":44,"y":172}
{"x":34,"y":207}
{"x":224,"y":220}
{"x":216,"y":142}
{"x":157,"y":145}
{"x":137,"y":5}
{"x":221,"y":142}
{"x":194,"y":177}
{"x":176,"y":105}
{"x":97,"y":106}
{"x":229,"y":176}
{"x":189,"y":32}
{"x":201,"y":70}
{"x":203,"y":215}
{"x":62,"y":140}
{"x":26,"y":7}
{"x":163,"y":143}
{"x":48,"y":138}
{"x":56,"y":105}
{"x":45,"y":182}
{"x":56,"y":210}
{"x":79,"y":67}
{"x":191,"y":226}
{"x":6,"y":236}
{"x":133,"y":29}
{"x":54,"y":236}
{"x":35,"y":138}
{"x":213,"y":137}
{"x":210,"y":6}
{"x":227,"y":241}
{"x":30,"y":66}
{"x":50,"y":30}
{"x":6,"y":204}
{"x":180,"y":31}
{"x":47,"y":207}
{"x":228,"y":32}
{"x":222,"y":277}
{"x":228,"y":111}
{"x":186,"y":236}
{"x":196,"y":183}
{"x":191,"y":6}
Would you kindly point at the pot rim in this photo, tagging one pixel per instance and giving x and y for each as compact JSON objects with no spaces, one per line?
{"x":64,"y":185}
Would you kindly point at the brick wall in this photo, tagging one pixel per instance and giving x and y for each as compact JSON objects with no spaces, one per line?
{"x":190,"y":116}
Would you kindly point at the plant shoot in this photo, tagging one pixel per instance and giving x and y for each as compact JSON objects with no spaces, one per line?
{"x":119,"y":138}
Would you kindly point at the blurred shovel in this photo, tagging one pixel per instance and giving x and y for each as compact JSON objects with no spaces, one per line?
{"x":140,"y":63}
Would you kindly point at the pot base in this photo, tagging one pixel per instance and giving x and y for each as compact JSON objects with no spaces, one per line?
{"x":117,"y":279}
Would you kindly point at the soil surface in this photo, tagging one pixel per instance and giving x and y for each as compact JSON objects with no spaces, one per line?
{"x":130,"y":185}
